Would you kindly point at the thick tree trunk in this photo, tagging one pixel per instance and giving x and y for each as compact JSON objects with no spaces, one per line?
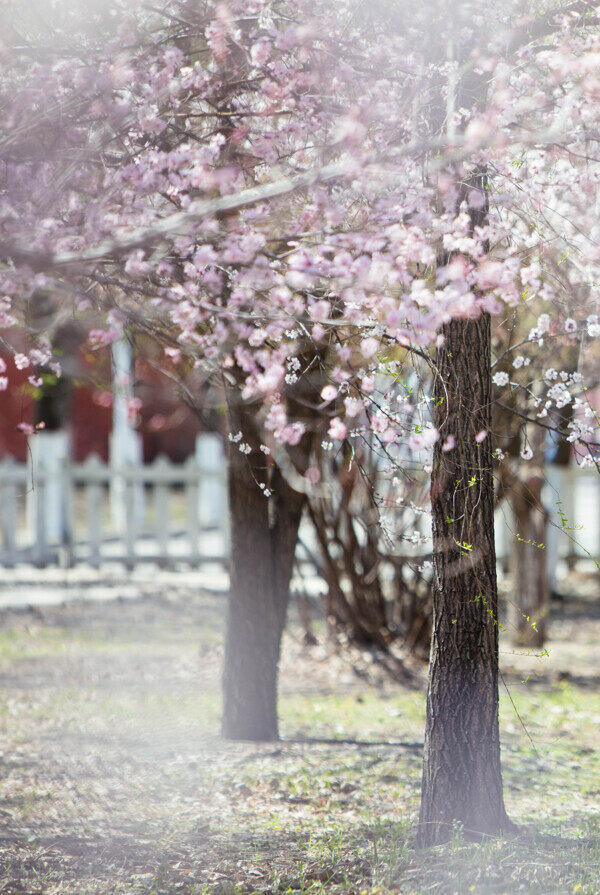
{"x":530,"y":599}
{"x":462,"y":780}
{"x":264,"y":533}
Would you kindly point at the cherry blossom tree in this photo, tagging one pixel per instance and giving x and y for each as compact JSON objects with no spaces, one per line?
{"x":284,"y":196}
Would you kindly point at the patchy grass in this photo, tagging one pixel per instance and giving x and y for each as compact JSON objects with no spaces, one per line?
{"x":114,"y":779}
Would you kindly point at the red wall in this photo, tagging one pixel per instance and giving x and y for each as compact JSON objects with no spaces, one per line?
{"x":15,"y":407}
{"x":166,"y":424}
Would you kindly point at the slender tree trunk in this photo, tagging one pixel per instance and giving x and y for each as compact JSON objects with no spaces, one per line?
{"x":462,"y":779}
{"x":530,"y":600}
{"x":264,"y":533}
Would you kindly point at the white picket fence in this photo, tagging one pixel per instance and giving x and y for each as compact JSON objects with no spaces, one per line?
{"x":158,"y":515}
{"x":54,"y":512}
{"x":572,"y":499}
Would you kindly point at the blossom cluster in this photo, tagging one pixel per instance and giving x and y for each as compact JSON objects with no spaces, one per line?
{"x":315,"y":291}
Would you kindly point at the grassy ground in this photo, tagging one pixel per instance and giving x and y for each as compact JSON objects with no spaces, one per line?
{"x":115,"y":781}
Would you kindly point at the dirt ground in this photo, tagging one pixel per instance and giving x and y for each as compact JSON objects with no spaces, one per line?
{"x":114,"y":778}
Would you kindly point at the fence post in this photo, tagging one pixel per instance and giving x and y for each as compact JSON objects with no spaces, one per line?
{"x":210,"y":456}
{"x":500,"y":538}
{"x":45,"y":505}
{"x":8,"y":509}
{"x":67,"y":502}
{"x":160,"y":476}
{"x":192,"y":497}
{"x":40,"y":546}
{"x":125,"y":441}
{"x":92,"y":470}
{"x":130,"y":516}
{"x":226,"y":521}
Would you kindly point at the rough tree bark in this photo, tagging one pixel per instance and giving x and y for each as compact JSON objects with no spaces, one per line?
{"x":462,"y":779}
{"x":264,"y":534}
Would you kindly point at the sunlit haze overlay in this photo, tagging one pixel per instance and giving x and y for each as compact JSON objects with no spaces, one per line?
{"x":299,"y":449}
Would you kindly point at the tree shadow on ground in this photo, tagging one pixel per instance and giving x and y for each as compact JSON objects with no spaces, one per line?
{"x":349,"y":741}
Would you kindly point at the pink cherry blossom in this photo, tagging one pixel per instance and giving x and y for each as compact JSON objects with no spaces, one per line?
{"x":329,"y":393}
{"x":337,"y":429}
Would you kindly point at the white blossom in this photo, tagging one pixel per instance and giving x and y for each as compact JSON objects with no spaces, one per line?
{"x":543,"y":323}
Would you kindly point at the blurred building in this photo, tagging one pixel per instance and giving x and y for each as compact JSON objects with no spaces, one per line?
{"x":81,"y":404}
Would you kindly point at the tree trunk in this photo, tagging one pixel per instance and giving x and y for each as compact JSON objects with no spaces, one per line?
{"x":530,"y":600}
{"x":264,"y":533}
{"x":462,"y":779}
